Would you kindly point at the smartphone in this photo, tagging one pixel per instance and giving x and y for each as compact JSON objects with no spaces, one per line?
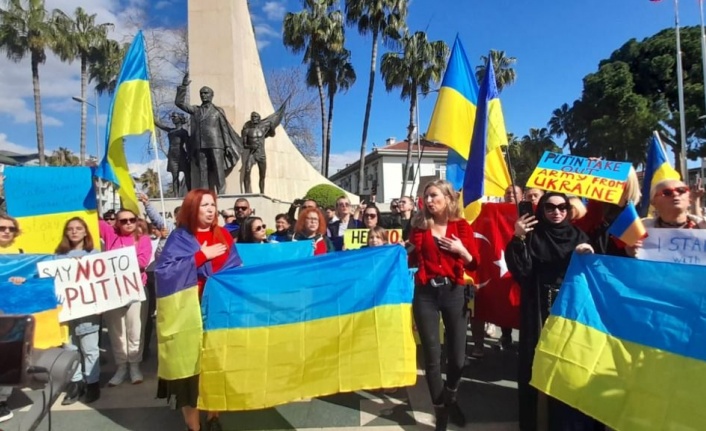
{"x":525,"y":208}
{"x":16,"y":336}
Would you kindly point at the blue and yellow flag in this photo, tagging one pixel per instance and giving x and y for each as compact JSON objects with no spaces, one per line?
{"x":455,"y":112}
{"x":305,"y":328}
{"x":486,"y":171}
{"x":628,"y":226}
{"x":626,"y":343}
{"x":130,"y":114}
{"x":657,"y":169}
{"x":36,"y":296}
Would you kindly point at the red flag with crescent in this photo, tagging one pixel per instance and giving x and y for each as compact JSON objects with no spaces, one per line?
{"x":498,"y":297}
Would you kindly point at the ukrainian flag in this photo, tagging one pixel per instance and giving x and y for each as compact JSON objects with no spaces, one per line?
{"x":628,"y":227}
{"x":130,"y":114}
{"x":657,"y":169}
{"x":486,"y":171}
{"x":455,"y":112}
{"x":306,"y":328}
{"x":36,"y":296}
{"x":626,"y":343}
{"x":44,"y":198}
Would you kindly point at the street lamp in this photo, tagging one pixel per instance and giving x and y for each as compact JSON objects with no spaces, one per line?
{"x":95,"y":107}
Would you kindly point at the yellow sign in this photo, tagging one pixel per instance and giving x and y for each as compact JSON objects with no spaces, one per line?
{"x":354,"y":239}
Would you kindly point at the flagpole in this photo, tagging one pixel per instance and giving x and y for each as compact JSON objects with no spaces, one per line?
{"x":512,"y":178}
{"x":680,"y":84}
{"x":153,"y":138}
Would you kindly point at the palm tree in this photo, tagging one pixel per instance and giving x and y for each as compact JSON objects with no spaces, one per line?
{"x":413,"y":70}
{"x":504,"y":73}
{"x":77,"y":38}
{"x":25,"y":29}
{"x":63,"y":157}
{"x":379,"y":18}
{"x":104,"y":66}
{"x":338,"y":75}
{"x":561,"y":124}
{"x":316,"y":30}
{"x":149,"y":180}
{"x":536,"y":142}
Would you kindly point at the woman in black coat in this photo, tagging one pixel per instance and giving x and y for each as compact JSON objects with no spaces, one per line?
{"x":538,"y":257}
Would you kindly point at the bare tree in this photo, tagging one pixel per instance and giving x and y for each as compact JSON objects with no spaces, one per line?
{"x":302,"y":110}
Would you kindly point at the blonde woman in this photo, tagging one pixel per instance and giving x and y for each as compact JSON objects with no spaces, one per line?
{"x":444,"y":249}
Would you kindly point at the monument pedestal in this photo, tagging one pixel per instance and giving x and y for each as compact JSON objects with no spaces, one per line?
{"x":223,"y":55}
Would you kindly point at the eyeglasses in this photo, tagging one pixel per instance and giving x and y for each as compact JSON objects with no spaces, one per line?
{"x":259,"y":228}
{"x":669,"y":192}
{"x":550,"y":207}
{"x":371,"y":215}
{"x":8,"y":229}
{"x":241,"y":208}
{"x":316,"y":219}
{"x":343,"y":204}
{"x":125,"y":221}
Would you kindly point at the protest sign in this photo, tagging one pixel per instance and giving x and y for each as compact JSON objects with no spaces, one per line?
{"x":353,"y":239}
{"x":600,"y":180}
{"x":95,"y":283}
{"x":674,"y":245}
{"x":44,"y":198}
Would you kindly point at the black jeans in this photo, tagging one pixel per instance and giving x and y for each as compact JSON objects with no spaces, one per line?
{"x":450,"y":302}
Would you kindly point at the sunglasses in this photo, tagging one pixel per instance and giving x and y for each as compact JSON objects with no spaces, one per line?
{"x":344,"y":204}
{"x":110,"y":218}
{"x":371,"y":216}
{"x":241,"y":208}
{"x":549,"y":207}
{"x":125,"y":221}
{"x":669,"y":192}
{"x":8,"y":229}
{"x":259,"y":228}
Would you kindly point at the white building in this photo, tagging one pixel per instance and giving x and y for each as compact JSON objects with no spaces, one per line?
{"x":384,"y":168}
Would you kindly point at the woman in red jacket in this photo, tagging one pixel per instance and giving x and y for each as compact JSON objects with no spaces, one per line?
{"x":444,"y":249}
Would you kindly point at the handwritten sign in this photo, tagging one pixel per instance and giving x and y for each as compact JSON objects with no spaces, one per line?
{"x":95,"y":283}
{"x":674,"y":245}
{"x":600,"y":180}
{"x":353,"y":239}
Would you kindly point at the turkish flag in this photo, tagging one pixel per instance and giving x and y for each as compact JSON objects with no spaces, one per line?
{"x":498,"y":297}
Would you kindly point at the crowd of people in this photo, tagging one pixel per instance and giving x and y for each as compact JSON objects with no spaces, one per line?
{"x":440,"y":244}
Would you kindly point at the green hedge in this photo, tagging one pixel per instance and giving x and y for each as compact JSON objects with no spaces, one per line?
{"x":325,"y":195}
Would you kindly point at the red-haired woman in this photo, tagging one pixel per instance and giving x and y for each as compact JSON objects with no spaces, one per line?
{"x":194,"y":251}
{"x":125,"y":323}
{"x":311,"y":225}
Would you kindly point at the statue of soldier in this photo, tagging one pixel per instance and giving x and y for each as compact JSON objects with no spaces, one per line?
{"x":177,"y":155}
{"x":254,"y":133}
{"x":214,"y":147}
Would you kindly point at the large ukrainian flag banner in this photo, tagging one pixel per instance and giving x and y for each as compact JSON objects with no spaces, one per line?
{"x":306,"y":328}
{"x":626,"y":343}
{"x":36,"y":296}
{"x":44,"y":198}
{"x":455,"y":112}
{"x":130,"y":114}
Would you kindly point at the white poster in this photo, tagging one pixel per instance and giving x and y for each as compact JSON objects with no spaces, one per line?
{"x":674,"y":245}
{"x":95,"y":283}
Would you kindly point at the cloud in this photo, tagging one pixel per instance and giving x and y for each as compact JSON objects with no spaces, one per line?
{"x":137,"y":169}
{"x":7,"y":145}
{"x":274,"y":10}
{"x":265,"y":34}
{"x":338,"y":161}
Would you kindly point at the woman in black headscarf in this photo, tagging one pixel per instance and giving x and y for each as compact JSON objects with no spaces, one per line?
{"x":538,"y":257}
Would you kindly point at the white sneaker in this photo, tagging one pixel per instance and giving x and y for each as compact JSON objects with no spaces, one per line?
{"x":136,"y":376}
{"x":490,"y":329}
{"x":119,"y":376}
{"x":5,"y":412}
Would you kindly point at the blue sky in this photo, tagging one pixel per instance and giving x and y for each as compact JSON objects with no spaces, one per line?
{"x":556,"y":45}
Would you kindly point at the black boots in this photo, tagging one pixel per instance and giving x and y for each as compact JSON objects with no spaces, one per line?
{"x":442,"y":417}
{"x":92,"y":393}
{"x":74,"y":391}
{"x":453,"y":409}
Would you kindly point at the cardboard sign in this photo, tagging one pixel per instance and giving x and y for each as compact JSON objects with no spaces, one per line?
{"x":674,"y":245}
{"x":599,"y":180}
{"x":95,"y":283}
{"x":353,"y":239}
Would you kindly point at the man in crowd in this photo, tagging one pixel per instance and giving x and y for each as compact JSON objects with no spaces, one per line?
{"x":533,"y":195}
{"x":513,"y":194}
{"x":242,"y":211}
{"x":301,"y":204}
{"x":337,"y":229}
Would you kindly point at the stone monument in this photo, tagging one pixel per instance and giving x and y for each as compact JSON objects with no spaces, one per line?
{"x":223,"y":55}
